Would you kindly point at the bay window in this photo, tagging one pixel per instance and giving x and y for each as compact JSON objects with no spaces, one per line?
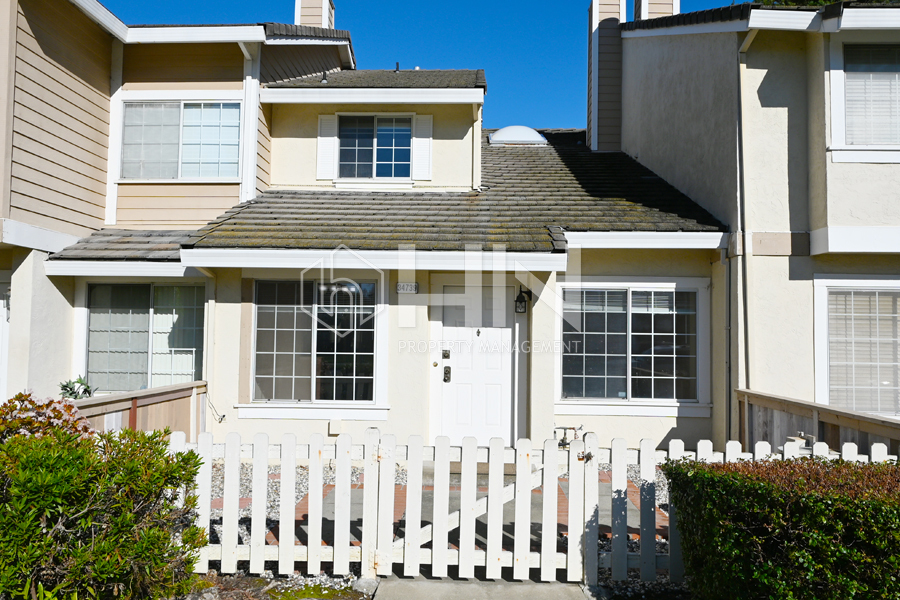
{"x":630,"y":344}
{"x":181,"y":140}
{"x":143,"y":335}
{"x":315,"y":342}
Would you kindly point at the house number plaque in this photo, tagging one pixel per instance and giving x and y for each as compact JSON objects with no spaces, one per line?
{"x":407,"y":288}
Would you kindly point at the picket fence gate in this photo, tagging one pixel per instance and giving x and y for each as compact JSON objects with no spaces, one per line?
{"x":378,"y":550}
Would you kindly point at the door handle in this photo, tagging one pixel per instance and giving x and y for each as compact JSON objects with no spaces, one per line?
{"x":446,"y":374}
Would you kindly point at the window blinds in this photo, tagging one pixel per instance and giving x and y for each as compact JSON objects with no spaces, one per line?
{"x":872,"y":75}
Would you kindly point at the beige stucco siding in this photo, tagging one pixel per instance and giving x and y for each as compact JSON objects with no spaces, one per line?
{"x":280,"y":63}
{"x":264,"y":148}
{"x":295,"y":131}
{"x":173,"y":205}
{"x":60,"y":118}
{"x":776,"y":139}
{"x":188,"y":63}
{"x":862,"y":194}
{"x":679,"y":110}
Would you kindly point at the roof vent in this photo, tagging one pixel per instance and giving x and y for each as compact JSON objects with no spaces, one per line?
{"x":517,"y":135}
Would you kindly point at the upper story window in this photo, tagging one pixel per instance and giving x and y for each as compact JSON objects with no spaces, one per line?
{"x":181,"y":140}
{"x":379,"y":147}
{"x":872,"y":91}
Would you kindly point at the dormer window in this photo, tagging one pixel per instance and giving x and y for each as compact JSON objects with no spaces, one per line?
{"x":379,"y":147}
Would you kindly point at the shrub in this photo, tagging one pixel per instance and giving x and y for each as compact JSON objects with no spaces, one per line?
{"x":96,"y":516}
{"x":24,"y":415}
{"x":77,"y":389}
{"x":797,"y":529}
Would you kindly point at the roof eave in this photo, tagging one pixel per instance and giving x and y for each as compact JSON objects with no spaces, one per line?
{"x":372,"y":95}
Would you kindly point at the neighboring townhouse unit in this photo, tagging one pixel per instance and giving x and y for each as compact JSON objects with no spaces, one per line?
{"x":332,"y":249}
{"x":784,"y":123}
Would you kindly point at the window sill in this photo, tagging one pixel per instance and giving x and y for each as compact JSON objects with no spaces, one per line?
{"x":373,"y":184}
{"x":633,"y":408}
{"x":865,"y":154}
{"x":311,"y":412}
{"x":184,"y":180}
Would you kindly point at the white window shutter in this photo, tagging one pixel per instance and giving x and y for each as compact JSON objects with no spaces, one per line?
{"x":421,"y":148}
{"x":326,"y":167}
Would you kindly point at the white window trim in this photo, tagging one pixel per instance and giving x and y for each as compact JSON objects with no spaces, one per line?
{"x":822,"y":284}
{"x":655,"y":407}
{"x":368,"y":410}
{"x":840,"y":150}
{"x":368,"y":182}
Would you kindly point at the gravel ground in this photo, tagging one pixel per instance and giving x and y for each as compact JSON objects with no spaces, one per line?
{"x":633,"y":587}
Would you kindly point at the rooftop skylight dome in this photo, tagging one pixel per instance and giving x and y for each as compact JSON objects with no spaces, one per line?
{"x":517,"y":135}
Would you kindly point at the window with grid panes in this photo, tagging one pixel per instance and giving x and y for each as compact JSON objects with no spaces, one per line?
{"x":315,"y":341}
{"x":864,"y":350}
{"x":616,"y":341}
{"x":378,"y":147}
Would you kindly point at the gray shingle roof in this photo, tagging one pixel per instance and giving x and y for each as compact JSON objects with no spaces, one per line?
{"x":457,"y":78}
{"x":530,"y":195}
{"x":122,"y":244}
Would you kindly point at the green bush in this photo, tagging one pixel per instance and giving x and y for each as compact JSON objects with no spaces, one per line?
{"x":24,"y":415}
{"x":797,"y":529}
{"x":98,"y":516}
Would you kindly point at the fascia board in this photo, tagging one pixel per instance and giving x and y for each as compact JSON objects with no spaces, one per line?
{"x":190,"y":35}
{"x":647,"y":240}
{"x":371,"y":96}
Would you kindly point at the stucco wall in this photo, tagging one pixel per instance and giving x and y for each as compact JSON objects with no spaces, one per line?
{"x":294,"y":138}
{"x":863,"y":194}
{"x":679,"y":105}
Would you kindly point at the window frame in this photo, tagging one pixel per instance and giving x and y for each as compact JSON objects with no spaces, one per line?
{"x":182,"y":102}
{"x":82,"y":320}
{"x":822,"y":285}
{"x":318,"y":409}
{"x":374,"y":180}
{"x":840,"y":150}
{"x":629,"y":406}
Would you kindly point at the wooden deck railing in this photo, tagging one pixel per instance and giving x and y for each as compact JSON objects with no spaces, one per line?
{"x":179,"y":407}
{"x":770,"y":418}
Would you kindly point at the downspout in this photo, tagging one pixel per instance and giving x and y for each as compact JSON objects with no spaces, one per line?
{"x":742,"y":243}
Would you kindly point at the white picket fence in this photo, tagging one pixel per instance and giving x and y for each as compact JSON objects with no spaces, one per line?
{"x":379,"y":548}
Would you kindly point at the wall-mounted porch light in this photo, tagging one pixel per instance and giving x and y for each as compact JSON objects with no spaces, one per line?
{"x":522,"y":300}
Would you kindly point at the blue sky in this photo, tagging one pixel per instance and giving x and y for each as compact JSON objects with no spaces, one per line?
{"x":535,"y":60}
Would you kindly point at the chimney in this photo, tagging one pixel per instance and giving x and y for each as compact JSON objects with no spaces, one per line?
{"x":604,"y":118}
{"x":314,"y":13}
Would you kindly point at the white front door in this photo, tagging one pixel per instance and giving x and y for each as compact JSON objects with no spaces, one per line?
{"x":477,"y":365}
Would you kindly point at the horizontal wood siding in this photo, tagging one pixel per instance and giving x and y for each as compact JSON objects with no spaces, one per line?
{"x":280,"y":63}
{"x":311,"y":13}
{"x":609,"y":75}
{"x":144,"y":63}
{"x":173,"y":205}
{"x":659,"y":9}
{"x":264,"y":149}
{"x":60,"y":118}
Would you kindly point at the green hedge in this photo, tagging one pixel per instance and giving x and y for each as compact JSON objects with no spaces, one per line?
{"x":797,"y":529}
{"x":96,"y":516}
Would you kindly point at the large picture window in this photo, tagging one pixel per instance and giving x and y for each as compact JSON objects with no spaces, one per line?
{"x":624,"y":344}
{"x":378,"y":147}
{"x":315,"y":341}
{"x":872,"y":89}
{"x":172,"y":140}
{"x":864,"y":349}
{"x":142,"y":336}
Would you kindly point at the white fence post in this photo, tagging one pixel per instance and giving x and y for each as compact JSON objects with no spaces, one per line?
{"x":676,"y":559}
{"x":522,"y":525}
{"x":494,"y":554}
{"x":439,"y":535}
{"x":619,"y":503}
{"x":549,"y":525}
{"x":204,"y":496}
{"x":258,"y":502}
{"x":575,"y":558}
{"x":342,"y":475}
{"x":230,"y":502}
{"x":648,"y":510}
{"x":314,"y":524}
{"x":370,"y":503}
{"x":412,"y":549}
{"x":467,"y":491}
{"x":591,"y":508}
{"x":288,"y":504}
{"x":384,"y":554}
